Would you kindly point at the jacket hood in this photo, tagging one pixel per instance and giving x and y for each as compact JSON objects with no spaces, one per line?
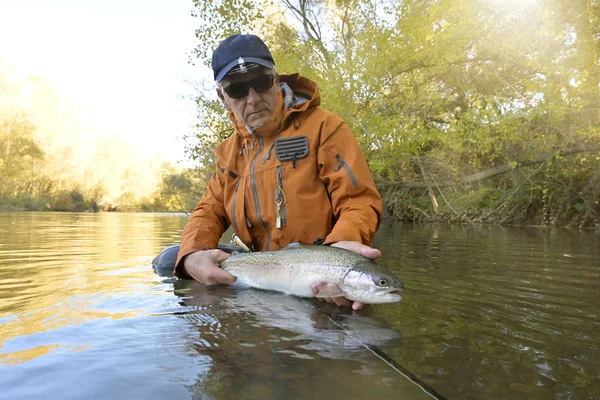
{"x":304,"y":88}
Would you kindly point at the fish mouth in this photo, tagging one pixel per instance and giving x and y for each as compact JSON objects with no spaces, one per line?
{"x":391,"y":297}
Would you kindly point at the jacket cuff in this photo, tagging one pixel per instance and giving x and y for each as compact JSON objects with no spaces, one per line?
{"x":347,"y":231}
{"x":335,"y":237}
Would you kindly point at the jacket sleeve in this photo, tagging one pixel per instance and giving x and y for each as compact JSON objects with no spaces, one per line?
{"x":355,"y":201}
{"x":207,"y":222}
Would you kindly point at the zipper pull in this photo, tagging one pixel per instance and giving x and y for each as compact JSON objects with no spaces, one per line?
{"x":253,"y":138}
{"x":341,"y":162}
{"x":278,"y":223}
{"x":279,"y":201}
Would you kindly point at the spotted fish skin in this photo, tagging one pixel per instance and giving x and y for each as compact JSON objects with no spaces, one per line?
{"x":294,"y":269}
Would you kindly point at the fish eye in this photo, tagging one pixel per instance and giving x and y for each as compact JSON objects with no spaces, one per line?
{"x":382,"y":282}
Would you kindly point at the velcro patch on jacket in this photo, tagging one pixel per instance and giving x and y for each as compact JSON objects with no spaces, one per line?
{"x":291,"y":149}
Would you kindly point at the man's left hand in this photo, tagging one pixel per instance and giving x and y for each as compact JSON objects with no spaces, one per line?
{"x":356,"y":247}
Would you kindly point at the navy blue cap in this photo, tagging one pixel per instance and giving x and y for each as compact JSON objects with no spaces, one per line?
{"x":240,"y":51}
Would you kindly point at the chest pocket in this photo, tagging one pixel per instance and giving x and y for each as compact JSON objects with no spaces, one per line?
{"x":291,"y":149}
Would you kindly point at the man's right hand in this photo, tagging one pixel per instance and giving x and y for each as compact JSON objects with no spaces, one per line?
{"x":204,"y":267}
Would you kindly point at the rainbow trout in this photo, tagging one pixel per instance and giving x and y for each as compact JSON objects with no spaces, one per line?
{"x":294,"y":269}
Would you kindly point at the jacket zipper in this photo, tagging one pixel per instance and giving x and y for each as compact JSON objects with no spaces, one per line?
{"x":280,"y":198}
{"x":341,"y":164}
{"x":237,"y":186}
{"x":255,"y":192}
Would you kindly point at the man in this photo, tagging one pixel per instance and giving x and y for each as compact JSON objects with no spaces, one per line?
{"x":290,"y":172}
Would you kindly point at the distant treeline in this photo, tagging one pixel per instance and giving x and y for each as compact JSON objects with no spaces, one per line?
{"x":470,"y":111}
{"x":33,"y":177}
{"x":51,"y":158}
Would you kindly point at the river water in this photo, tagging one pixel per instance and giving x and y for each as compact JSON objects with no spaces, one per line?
{"x":488,"y":312}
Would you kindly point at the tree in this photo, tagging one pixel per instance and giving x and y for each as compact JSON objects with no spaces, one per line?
{"x":434,"y":90}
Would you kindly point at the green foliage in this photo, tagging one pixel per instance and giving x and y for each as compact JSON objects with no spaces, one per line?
{"x":180,"y":190}
{"x":18,"y":152}
{"x":220,"y":19}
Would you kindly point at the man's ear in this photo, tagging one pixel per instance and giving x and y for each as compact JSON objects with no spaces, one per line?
{"x":277,"y":78}
{"x":223,"y":99}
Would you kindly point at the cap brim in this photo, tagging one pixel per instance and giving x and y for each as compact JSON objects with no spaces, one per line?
{"x":225,"y":70}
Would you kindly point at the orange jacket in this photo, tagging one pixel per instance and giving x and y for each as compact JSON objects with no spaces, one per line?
{"x":328,"y":194}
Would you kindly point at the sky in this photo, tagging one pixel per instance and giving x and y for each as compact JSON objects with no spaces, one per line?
{"x":126,"y":60}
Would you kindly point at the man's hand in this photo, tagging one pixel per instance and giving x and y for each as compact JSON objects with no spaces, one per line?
{"x":203,"y":266}
{"x":359,"y":248}
{"x":356,"y":247}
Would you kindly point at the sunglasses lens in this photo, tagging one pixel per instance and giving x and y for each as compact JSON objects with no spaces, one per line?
{"x":237,"y":90}
{"x":241,"y":89}
{"x":263,"y":83}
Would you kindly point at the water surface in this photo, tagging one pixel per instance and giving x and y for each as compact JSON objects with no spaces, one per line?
{"x":488,"y":312}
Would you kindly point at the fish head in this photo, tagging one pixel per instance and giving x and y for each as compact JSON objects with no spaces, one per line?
{"x":372,"y":287}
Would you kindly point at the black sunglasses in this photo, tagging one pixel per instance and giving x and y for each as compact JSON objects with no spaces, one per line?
{"x":240,"y":90}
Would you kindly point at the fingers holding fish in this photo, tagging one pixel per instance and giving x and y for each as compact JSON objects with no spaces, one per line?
{"x":321,"y":288}
{"x":359,"y":248}
{"x":204,"y":267}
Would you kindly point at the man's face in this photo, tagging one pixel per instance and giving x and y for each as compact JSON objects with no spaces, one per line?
{"x":255,"y":108}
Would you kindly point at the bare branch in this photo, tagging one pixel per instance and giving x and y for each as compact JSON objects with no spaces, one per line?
{"x":313,"y":31}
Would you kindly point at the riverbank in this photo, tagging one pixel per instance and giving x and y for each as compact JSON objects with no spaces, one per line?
{"x":408,"y":205}
{"x":532,"y":201}
{"x":71,"y":203}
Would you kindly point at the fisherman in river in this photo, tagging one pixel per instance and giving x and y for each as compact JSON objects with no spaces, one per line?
{"x":289,"y":172}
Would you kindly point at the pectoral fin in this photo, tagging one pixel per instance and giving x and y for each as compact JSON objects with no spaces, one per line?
{"x":330,"y":291}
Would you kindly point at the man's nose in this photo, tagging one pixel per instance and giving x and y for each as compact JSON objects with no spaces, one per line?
{"x":253,"y":96}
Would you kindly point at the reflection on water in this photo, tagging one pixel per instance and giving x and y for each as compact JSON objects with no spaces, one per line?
{"x":498,"y":312}
{"x":270,"y":345}
{"x":488,"y":312}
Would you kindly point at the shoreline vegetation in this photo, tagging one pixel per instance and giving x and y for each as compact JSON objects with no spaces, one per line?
{"x":562,"y":190}
{"x":555,"y":189}
{"x":176,"y":191}
{"x":552,"y":190}
{"x":467,"y":112}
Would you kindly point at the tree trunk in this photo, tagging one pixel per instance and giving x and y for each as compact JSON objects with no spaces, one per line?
{"x":588,"y":58}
